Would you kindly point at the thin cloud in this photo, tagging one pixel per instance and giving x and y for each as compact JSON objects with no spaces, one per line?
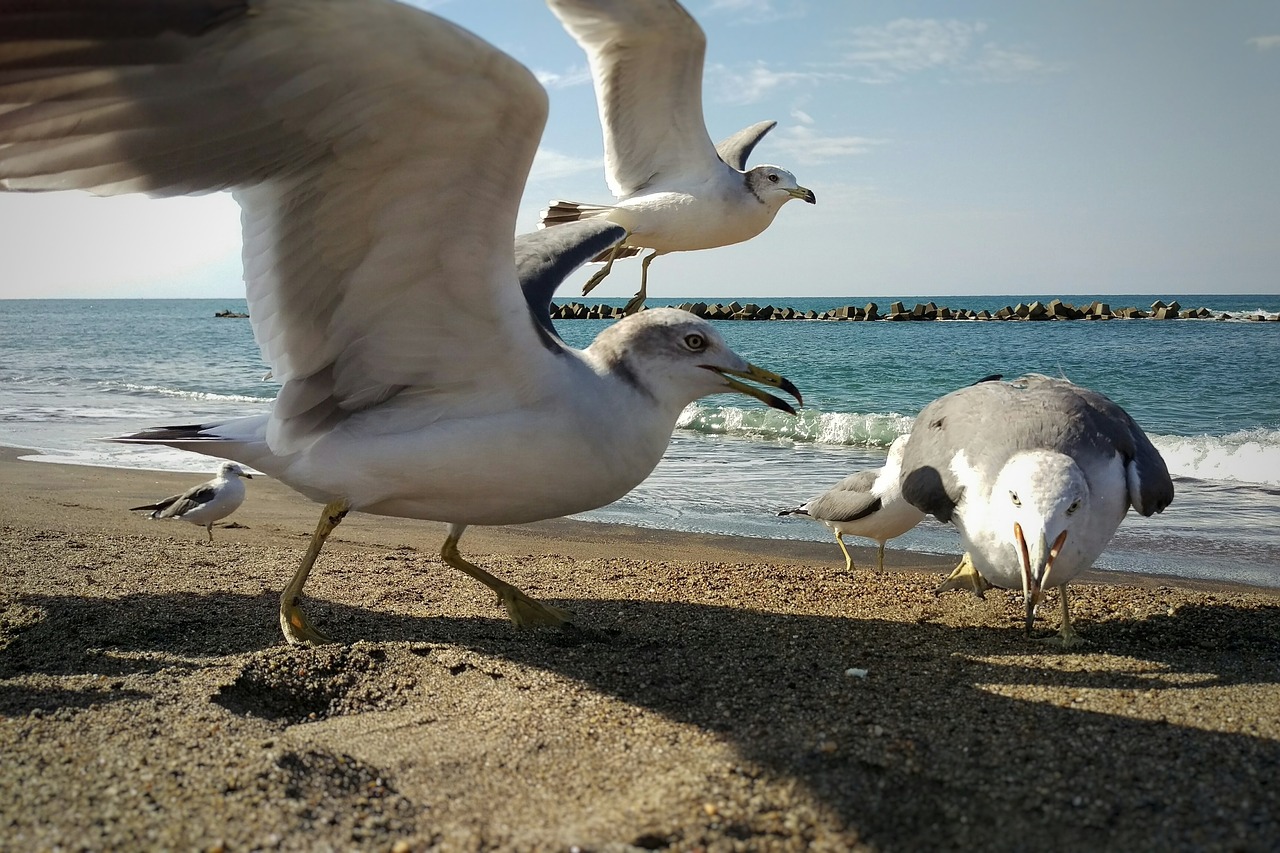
{"x":909,"y":46}
{"x":759,"y":81}
{"x":756,"y":11}
{"x":1265,"y":42}
{"x":807,"y":146}
{"x":575,"y":76}
{"x":551,"y":165}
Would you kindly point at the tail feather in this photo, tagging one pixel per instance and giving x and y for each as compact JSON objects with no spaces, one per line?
{"x":241,"y":440}
{"x":797,"y":511}
{"x":165,"y":434}
{"x":559,"y":212}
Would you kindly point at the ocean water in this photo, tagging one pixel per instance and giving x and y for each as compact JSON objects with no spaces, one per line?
{"x":1207,"y":392}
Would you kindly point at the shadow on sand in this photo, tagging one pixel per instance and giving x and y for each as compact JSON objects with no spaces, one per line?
{"x":887,"y":752}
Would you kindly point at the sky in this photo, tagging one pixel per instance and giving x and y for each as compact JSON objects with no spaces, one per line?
{"x":961,"y":147}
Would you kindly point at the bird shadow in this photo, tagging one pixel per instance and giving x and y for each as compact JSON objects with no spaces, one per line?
{"x":931,"y":714}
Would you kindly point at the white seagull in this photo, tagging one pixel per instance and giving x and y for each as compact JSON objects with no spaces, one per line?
{"x":378,"y":154}
{"x":206,"y":503}
{"x":1036,"y":474}
{"x":676,"y":191}
{"x":867,"y":504}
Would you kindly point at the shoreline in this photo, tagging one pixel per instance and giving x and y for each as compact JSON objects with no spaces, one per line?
{"x":716,"y":693}
{"x":575,"y":538}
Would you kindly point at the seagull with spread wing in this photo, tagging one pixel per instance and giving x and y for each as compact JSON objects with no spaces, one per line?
{"x":676,"y":192}
{"x":378,"y":154}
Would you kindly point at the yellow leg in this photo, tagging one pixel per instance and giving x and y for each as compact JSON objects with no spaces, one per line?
{"x":848,"y":560}
{"x":637,"y":301}
{"x":208,"y":528}
{"x":525,"y":612}
{"x":1066,"y":636}
{"x":297,"y":628}
{"x":965,"y":576}
{"x":608,"y":268}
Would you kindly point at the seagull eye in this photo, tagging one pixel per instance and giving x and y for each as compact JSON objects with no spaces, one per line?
{"x":1013,"y":496}
{"x":1071,"y":509}
{"x":695,"y":342}
{"x":773,"y":179}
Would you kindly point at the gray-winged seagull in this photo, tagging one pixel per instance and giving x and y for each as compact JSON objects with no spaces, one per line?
{"x":206,"y":503}
{"x":676,"y":191}
{"x":867,"y":504}
{"x":1036,"y":474}
{"x":378,"y":154}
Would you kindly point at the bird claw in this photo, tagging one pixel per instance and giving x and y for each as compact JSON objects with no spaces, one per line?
{"x":1067,"y":640}
{"x":526,"y":612}
{"x":965,"y":576}
{"x":634,"y":305}
{"x":297,"y":628}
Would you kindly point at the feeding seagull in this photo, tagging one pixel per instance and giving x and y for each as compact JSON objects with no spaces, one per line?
{"x":378,"y":154}
{"x":676,"y":192}
{"x":867,"y":504}
{"x":206,"y":503}
{"x":1036,"y":474}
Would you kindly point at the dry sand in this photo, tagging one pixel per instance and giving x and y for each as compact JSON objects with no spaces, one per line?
{"x":703,"y":702}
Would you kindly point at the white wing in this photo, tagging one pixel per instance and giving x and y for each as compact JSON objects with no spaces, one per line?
{"x":378,"y":153}
{"x":646,"y":61}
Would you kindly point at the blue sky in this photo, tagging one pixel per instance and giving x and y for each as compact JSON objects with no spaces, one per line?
{"x":955,"y":148}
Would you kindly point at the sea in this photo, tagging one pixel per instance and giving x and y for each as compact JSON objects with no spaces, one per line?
{"x":1207,"y":392}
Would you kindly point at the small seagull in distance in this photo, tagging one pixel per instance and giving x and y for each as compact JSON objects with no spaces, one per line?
{"x":206,"y":503}
{"x":868,"y":504}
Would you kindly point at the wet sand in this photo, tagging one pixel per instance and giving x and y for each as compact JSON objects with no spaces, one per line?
{"x":711,"y":695}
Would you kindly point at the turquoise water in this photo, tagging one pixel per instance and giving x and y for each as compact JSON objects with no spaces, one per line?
{"x":1208,"y":393}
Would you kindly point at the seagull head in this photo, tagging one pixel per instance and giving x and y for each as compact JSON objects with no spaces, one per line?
{"x":227,"y":470}
{"x":676,"y":357}
{"x":1040,"y":497}
{"x":776,"y":186}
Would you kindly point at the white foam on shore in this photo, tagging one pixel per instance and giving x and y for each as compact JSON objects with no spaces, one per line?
{"x":1247,"y":456}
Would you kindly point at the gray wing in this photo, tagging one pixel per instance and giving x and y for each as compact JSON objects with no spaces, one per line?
{"x":378,"y":154}
{"x":162,"y":504}
{"x":545,"y":258}
{"x":991,"y":421}
{"x":178,"y":505}
{"x":735,"y":150}
{"x":941,"y":430}
{"x":1147,"y":475}
{"x":646,"y":61}
{"x":848,"y":500}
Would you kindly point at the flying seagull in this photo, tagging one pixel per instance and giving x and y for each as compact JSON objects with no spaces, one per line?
{"x":676,"y":191}
{"x":378,"y":154}
{"x":1036,"y":474}
{"x":867,"y":504}
{"x":206,"y":503}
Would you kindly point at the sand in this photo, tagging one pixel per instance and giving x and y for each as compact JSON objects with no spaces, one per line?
{"x":716,"y":694}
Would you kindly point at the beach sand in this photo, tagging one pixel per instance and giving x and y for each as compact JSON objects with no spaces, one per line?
{"x":706,"y":700}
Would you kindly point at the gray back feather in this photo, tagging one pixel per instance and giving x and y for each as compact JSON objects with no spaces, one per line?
{"x":992,"y":421}
{"x":848,"y":500}
{"x":735,"y":150}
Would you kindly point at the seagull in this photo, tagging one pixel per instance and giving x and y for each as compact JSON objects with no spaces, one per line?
{"x":206,"y":503}
{"x":868,"y":504}
{"x":676,"y":192}
{"x":378,"y":154}
{"x":1036,"y":474}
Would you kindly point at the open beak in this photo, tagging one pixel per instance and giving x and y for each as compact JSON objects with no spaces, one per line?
{"x":1036,"y":578}
{"x":804,"y":194}
{"x":764,"y":377}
